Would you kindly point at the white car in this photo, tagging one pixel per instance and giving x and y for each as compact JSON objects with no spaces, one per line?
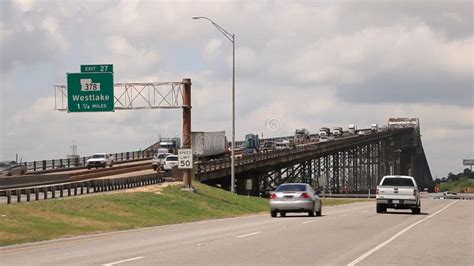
{"x":323,"y":139}
{"x":170,"y":162}
{"x":100,"y":160}
{"x":158,"y":160}
{"x":282,"y":145}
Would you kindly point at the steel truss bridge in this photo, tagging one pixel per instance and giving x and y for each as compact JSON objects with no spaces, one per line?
{"x":352,"y":164}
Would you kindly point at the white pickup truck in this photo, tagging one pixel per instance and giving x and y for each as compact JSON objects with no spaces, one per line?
{"x":398,"y":192}
{"x":100,"y":160}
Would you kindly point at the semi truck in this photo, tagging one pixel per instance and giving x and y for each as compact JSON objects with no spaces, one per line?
{"x":326,"y":131}
{"x":208,"y":145}
{"x":337,"y":131}
{"x":251,"y":144}
{"x":302,"y":133}
{"x":403,"y":122}
{"x":352,"y":129}
{"x":374,"y":127}
{"x":171,"y":144}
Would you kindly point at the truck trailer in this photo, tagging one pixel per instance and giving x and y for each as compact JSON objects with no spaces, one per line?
{"x":208,"y":145}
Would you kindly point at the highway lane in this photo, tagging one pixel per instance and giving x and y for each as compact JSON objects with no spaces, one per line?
{"x":342,"y":235}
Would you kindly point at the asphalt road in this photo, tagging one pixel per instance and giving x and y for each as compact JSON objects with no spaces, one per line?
{"x":344,"y":235}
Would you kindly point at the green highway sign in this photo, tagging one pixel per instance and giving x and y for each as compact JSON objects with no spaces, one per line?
{"x":97,"y":68}
{"x":90,"y":92}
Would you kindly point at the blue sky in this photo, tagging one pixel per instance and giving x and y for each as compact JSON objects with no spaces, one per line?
{"x":304,"y":63}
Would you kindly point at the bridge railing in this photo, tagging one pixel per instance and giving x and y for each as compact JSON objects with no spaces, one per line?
{"x":65,"y":163}
{"x":301,"y":151}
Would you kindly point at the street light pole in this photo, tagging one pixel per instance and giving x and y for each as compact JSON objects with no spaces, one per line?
{"x":231,"y":38}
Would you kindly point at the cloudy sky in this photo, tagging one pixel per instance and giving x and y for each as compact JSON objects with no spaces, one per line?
{"x":298,"y":64}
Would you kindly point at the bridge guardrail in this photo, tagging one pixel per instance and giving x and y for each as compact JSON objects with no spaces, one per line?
{"x":458,"y":196}
{"x":220,"y":164}
{"x":78,"y":188}
{"x":66,"y":163}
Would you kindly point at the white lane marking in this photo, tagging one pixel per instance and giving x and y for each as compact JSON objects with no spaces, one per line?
{"x":307,"y":222}
{"x":366,"y":211}
{"x":251,"y":234}
{"x":200,"y":244}
{"x":122,"y":261}
{"x":343,"y":215}
{"x":370,"y":252}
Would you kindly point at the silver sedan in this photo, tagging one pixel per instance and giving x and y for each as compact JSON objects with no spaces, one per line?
{"x":295,"y":197}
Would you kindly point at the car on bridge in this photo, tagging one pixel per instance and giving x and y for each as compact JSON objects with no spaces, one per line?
{"x":295,"y":197}
{"x":158,"y":160}
{"x":100,"y":160}
{"x":9,"y":168}
{"x":323,"y":139}
{"x":282,"y":145}
{"x":170,"y":162}
{"x":337,"y":131}
{"x":267,"y":146}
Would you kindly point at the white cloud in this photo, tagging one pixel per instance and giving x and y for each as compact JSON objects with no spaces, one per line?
{"x":24,"y":5}
{"x":212,"y":47}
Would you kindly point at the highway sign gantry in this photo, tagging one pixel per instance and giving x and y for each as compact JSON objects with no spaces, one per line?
{"x":90,"y":92}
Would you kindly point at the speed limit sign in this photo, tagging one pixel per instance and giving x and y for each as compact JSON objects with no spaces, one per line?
{"x":185,"y":159}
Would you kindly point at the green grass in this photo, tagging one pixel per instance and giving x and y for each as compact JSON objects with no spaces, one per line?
{"x":334,"y":202}
{"x":458,"y":185}
{"x":44,"y":220}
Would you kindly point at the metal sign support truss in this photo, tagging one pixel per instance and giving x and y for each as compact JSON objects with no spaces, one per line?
{"x":130,"y":96}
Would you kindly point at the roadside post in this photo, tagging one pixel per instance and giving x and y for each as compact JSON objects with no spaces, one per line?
{"x":187,"y":175}
{"x":248,"y":186}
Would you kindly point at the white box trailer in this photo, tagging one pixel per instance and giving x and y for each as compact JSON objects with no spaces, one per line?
{"x":208,"y":144}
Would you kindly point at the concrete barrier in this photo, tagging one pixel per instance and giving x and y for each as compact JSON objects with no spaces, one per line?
{"x":10,"y":182}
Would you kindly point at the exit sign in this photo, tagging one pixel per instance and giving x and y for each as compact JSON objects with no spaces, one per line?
{"x":90,"y":92}
{"x":97,"y":68}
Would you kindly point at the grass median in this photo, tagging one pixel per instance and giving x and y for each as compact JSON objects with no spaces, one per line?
{"x":50,"y":219}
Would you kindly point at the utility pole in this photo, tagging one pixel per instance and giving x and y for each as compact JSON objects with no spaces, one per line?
{"x":188,"y":173}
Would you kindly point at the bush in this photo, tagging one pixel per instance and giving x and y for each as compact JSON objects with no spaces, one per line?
{"x":458,"y":185}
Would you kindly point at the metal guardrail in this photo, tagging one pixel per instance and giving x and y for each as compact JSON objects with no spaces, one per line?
{"x":81,"y":162}
{"x":458,"y":197}
{"x":77,"y":188}
{"x":351,"y":196}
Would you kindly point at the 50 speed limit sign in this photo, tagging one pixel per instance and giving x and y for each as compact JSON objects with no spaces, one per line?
{"x":185,"y":159}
